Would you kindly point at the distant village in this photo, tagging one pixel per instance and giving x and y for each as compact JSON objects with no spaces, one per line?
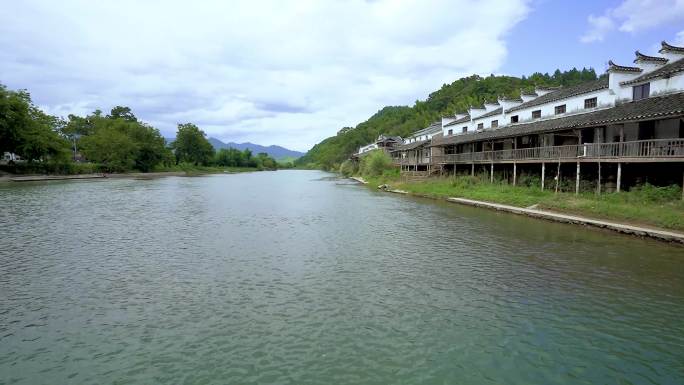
{"x":622,"y":130}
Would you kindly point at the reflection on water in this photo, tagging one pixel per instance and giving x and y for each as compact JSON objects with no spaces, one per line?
{"x":295,"y":277}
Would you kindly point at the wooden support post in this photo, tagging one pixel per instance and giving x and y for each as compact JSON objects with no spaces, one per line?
{"x":515,"y":173}
{"x":557,"y":176}
{"x":543,"y":174}
{"x":472,"y":169}
{"x":577,"y":179}
{"x":598,"y":186}
{"x":619,"y":177}
{"x":491,"y":173}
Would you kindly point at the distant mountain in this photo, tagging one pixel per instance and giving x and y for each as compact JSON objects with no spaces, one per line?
{"x":276,"y":152}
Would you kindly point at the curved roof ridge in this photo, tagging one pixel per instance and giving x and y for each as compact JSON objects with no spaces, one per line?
{"x":616,"y":67}
{"x":642,"y":57}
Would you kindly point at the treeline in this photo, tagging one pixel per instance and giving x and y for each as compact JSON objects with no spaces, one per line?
{"x":451,"y":98}
{"x":116,"y":142}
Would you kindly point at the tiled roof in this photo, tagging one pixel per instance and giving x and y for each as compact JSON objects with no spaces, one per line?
{"x":431,"y":129}
{"x":665,"y":71}
{"x":497,"y":111}
{"x":667,"y":47}
{"x":671,"y":105}
{"x":507,"y":99}
{"x":410,"y":146}
{"x":564,"y":93}
{"x":618,"y":68}
{"x":458,"y":121}
{"x":641,"y":57}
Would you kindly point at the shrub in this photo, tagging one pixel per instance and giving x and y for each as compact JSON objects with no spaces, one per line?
{"x":348,"y":168}
{"x":375,"y":163}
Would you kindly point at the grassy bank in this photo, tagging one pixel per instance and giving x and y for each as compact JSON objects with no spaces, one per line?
{"x":197,"y":170}
{"x":645,"y":205}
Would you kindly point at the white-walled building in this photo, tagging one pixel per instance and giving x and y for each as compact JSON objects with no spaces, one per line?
{"x":650,"y":76}
{"x":632,"y":115}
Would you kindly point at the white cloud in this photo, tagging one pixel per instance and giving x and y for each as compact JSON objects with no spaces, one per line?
{"x":633,"y":16}
{"x":599,"y":28}
{"x":679,"y":39}
{"x":264,"y":71}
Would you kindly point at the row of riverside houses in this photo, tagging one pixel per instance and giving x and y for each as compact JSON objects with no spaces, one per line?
{"x":624,"y":129}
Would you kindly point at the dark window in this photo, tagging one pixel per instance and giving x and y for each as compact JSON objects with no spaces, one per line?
{"x":514,"y":119}
{"x":590,"y":103}
{"x":495,"y":123}
{"x":451,"y":132}
{"x":536,"y":114}
{"x":465,"y":129}
{"x":480,"y":126}
{"x":641,"y":91}
{"x":560,"y":109}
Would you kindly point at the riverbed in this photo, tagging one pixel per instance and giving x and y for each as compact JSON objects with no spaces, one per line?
{"x":298,"y":277}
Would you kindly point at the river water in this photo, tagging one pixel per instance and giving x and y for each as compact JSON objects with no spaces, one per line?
{"x":295,"y":277}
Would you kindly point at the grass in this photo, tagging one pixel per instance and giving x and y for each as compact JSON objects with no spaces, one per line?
{"x":647,"y":205}
{"x":191,"y":169}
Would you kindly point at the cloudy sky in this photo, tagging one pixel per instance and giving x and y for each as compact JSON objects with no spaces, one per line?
{"x":293,"y":72}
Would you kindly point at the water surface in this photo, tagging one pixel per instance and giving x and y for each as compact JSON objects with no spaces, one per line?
{"x":293,"y":277}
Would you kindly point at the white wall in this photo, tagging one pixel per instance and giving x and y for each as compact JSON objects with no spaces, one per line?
{"x":674,"y":83}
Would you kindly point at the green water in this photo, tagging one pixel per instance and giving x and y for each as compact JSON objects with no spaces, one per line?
{"x":293,"y":277}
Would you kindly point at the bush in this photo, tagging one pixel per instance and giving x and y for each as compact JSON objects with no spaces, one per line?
{"x":348,"y":168}
{"x":375,"y":163}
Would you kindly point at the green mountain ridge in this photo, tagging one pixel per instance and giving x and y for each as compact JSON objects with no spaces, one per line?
{"x":448,"y":100}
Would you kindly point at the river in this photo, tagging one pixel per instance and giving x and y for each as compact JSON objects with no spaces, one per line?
{"x":296,"y":277}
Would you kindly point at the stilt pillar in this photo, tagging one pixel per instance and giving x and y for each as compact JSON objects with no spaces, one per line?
{"x":491,"y":173}
{"x":619,"y":177}
{"x":472,"y":169}
{"x":577,"y":179}
{"x":543,"y":172}
{"x":598,"y":185}
{"x":515,"y":173}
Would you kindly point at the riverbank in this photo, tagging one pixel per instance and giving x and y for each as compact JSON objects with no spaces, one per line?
{"x":158,"y":174}
{"x":640,"y":210}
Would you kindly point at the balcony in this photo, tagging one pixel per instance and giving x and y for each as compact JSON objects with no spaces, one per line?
{"x":656,"y":150}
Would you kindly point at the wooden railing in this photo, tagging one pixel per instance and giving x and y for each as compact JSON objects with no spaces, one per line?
{"x":656,"y":148}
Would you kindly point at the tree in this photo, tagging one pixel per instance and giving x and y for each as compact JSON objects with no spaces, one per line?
{"x":26,"y":130}
{"x":191,"y":145}
{"x":110,"y":147}
{"x":124,"y":113}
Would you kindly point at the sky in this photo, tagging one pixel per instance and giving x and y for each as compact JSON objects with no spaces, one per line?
{"x":292,"y":73}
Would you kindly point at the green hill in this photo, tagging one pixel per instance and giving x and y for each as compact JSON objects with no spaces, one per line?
{"x":450,"y":99}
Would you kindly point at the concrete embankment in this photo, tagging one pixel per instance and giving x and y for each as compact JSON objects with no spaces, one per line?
{"x":661,"y":235}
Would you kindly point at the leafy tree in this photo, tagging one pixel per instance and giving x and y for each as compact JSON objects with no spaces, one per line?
{"x":124,"y":113}
{"x":110,"y":147}
{"x":26,"y":130}
{"x":191,"y":145}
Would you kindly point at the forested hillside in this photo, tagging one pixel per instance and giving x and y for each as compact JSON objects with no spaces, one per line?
{"x":450,"y":99}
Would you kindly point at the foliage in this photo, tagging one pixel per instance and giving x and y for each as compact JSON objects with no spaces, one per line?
{"x":191,"y":145}
{"x":230,"y":157}
{"x":449,"y":99}
{"x":348,"y":168}
{"x":27,"y":131}
{"x":119,"y":142}
{"x":375,"y":163}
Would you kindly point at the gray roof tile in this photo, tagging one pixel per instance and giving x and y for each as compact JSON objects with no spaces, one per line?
{"x":671,"y":105}
{"x":564,"y":93}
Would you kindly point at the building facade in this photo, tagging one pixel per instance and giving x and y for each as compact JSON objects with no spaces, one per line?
{"x":632,"y":117}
